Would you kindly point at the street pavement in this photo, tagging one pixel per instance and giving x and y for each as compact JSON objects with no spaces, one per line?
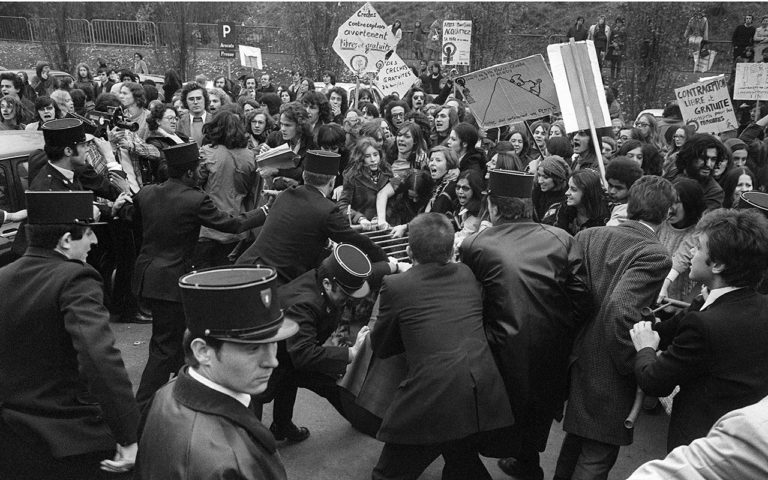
{"x":336,"y":451}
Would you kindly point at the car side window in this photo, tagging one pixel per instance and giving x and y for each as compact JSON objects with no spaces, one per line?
{"x":5,"y":198}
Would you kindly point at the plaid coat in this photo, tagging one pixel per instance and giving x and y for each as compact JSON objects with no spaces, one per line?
{"x":626,"y":266}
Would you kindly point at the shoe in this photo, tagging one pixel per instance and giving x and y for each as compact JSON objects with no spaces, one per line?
{"x":520,"y":471}
{"x":292,"y":433}
{"x":141,"y":318}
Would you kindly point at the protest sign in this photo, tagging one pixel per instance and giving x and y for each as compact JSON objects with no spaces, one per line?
{"x":250,"y":57}
{"x":396,"y":76}
{"x":575,"y":100}
{"x":510,"y":92}
{"x":751,"y":81}
{"x":457,"y":40}
{"x":706,"y":106}
{"x":362,"y":41}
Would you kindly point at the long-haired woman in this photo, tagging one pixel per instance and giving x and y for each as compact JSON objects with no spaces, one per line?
{"x":468,"y":203}
{"x":229,"y":178}
{"x":296,"y":132}
{"x":549,"y":186}
{"x":585,"y":205}
{"x":649,"y":131}
{"x":258,"y":125}
{"x":445,"y":119}
{"x":11,"y":113}
{"x":463,"y":140}
{"x":84,"y":81}
{"x":677,"y":234}
{"x":368,"y":173}
{"x":736,"y":182}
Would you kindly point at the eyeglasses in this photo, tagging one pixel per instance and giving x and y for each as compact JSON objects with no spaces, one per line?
{"x":463,"y":188}
{"x":642,"y":124}
{"x":194,"y":99}
{"x":171,"y":119}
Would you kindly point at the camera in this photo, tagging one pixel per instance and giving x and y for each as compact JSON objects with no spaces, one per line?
{"x":98,"y":123}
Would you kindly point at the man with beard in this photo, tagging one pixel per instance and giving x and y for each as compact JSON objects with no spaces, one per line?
{"x":697,"y":160}
{"x":535,"y":299}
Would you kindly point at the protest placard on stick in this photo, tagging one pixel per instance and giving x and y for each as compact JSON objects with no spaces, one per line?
{"x":707,"y":107}
{"x":457,"y":42}
{"x":250,"y":57}
{"x":362,"y":41}
{"x":580,"y":90}
{"x":396,"y":76}
{"x":510,"y":92}
{"x":751,"y":81}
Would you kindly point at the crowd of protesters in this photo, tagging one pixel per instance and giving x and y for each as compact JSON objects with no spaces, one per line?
{"x":593,"y":229}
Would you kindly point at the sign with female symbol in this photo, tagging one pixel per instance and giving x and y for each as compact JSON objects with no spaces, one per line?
{"x":457,"y":40}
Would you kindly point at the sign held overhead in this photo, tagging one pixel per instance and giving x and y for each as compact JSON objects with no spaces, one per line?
{"x":362,"y":41}
{"x":707,"y":107}
{"x":457,"y":41}
{"x":510,"y":92}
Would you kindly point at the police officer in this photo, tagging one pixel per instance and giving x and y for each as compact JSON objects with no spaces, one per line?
{"x":199,"y":426}
{"x":66,"y":402}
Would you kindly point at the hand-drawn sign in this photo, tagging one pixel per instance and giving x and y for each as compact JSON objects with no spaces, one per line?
{"x":510,"y":92}
{"x":751,"y":81}
{"x":457,"y":41}
{"x":362,"y":41}
{"x":707,"y":106}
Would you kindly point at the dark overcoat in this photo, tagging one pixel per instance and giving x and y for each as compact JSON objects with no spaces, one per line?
{"x":434,"y":313}
{"x":170,"y":215}
{"x":535,"y":299}
{"x":626,"y":266}
{"x":718,"y":356}
{"x":62,"y":380}
{"x":193,"y":432}
{"x":295,"y":237}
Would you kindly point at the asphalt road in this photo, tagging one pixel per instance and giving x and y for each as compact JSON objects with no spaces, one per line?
{"x":336,"y":451}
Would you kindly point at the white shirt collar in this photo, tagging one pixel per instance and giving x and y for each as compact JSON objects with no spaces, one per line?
{"x":69,"y":174}
{"x":717,"y":293}
{"x":243,"y":398}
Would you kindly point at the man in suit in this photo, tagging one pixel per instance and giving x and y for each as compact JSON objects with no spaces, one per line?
{"x":316,"y":300}
{"x":453,"y":391}
{"x":626,"y":266}
{"x":195,"y":100}
{"x":66,"y":402}
{"x":170,"y":215}
{"x":535,"y":299}
{"x":200,"y":424}
{"x":717,"y":355}
{"x":295,"y":237}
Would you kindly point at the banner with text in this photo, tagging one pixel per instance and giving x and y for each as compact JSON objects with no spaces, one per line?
{"x":396,"y":76}
{"x":751,"y":81}
{"x":362,"y":41}
{"x":574,"y":99}
{"x":510,"y":92}
{"x":707,"y":107}
{"x":457,"y":41}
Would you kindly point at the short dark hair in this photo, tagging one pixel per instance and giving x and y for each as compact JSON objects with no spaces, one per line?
{"x":650,"y":198}
{"x":316,"y":179}
{"x":739,"y":240}
{"x":18,"y":83}
{"x":340,"y":91}
{"x":623,"y":170}
{"x":141,"y":57}
{"x":186,"y":343}
{"x":41,"y":102}
{"x":178,"y":171}
{"x":47,"y":236}
{"x":156,"y":112}
{"x":430,"y":236}
{"x":511,"y":208}
{"x":191,"y":87}
{"x":331,"y":135}
{"x":56,"y":152}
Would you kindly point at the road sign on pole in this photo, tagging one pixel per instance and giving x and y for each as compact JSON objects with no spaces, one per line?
{"x":227,"y":39}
